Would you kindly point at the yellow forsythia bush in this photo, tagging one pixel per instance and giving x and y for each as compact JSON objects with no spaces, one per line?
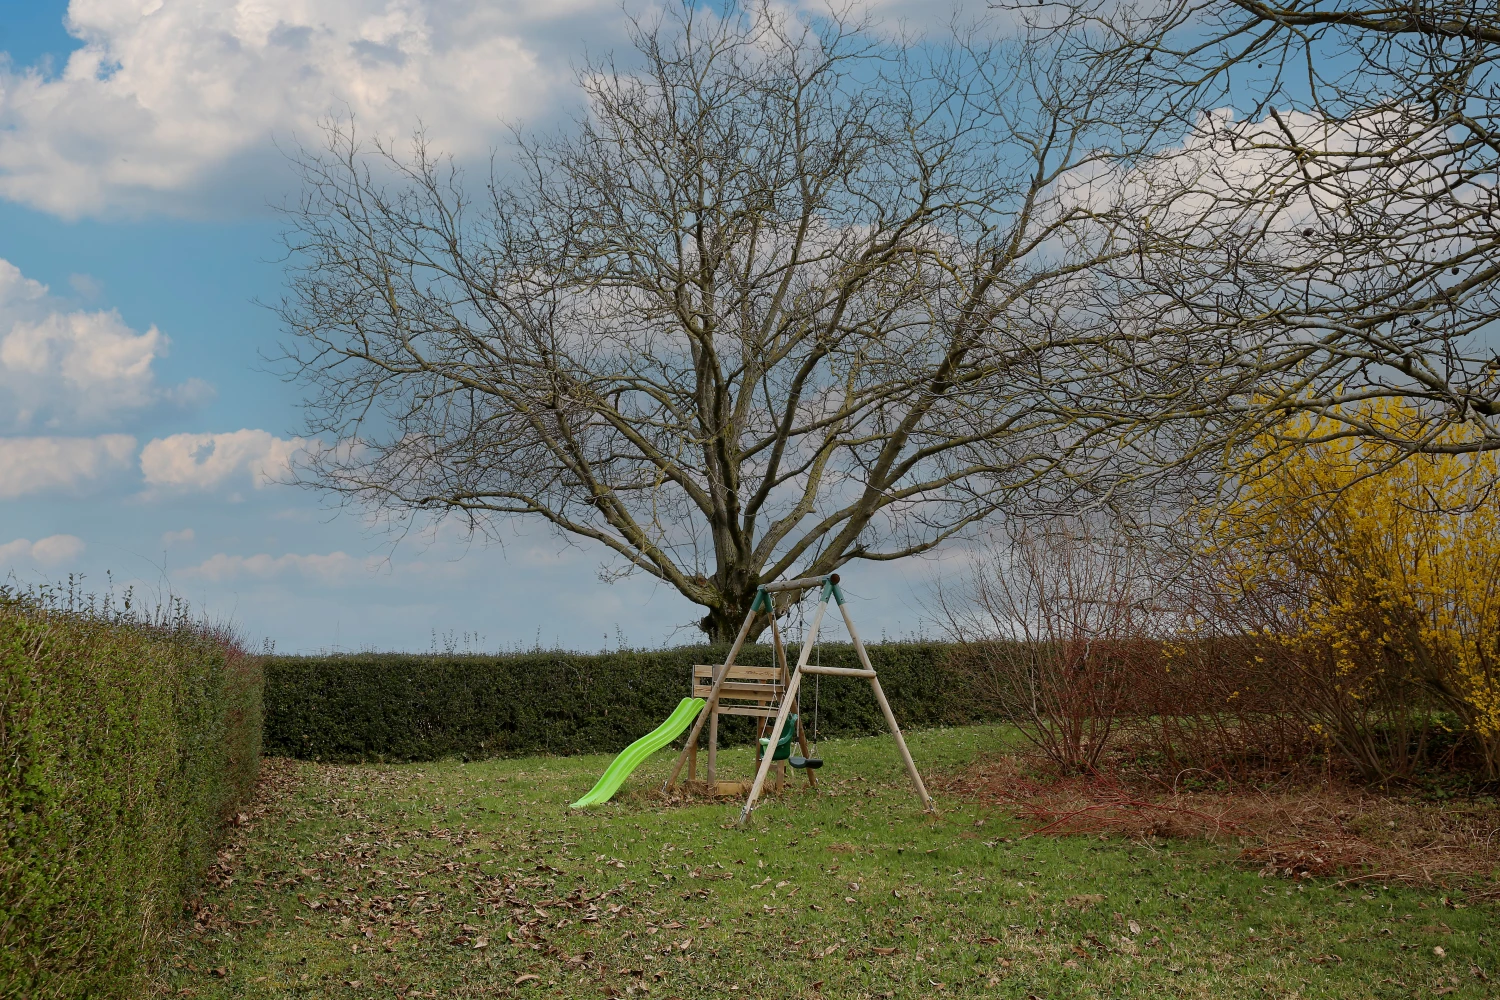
{"x":1385,"y":568}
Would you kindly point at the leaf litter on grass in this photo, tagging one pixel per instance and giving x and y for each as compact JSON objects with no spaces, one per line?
{"x":411,"y":867}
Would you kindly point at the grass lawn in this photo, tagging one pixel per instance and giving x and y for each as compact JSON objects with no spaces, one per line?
{"x":470,"y":880}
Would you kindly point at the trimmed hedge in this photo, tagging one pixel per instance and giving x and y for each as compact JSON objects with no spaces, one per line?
{"x":123,"y":747}
{"x":408,"y":707}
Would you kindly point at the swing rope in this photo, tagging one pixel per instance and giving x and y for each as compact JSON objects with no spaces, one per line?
{"x":811,"y":761}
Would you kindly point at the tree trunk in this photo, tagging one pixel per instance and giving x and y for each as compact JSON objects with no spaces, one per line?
{"x":721,"y":625}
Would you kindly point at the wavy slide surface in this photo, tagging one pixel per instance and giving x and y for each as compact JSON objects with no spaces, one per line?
{"x":634,"y":755}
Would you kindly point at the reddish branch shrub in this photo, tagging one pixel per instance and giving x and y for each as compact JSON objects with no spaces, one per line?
{"x":1057,"y":623}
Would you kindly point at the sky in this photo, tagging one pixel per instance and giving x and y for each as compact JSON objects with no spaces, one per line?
{"x":144,"y":435}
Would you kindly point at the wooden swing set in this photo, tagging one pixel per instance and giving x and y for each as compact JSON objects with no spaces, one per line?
{"x":771,"y":693}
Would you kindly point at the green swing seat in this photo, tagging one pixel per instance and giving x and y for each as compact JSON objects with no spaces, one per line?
{"x":784,"y":747}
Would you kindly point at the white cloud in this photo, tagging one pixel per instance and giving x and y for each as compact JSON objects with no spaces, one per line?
{"x":61,"y":367}
{"x":42,"y":464}
{"x":166,"y":98}
{"x":185,"y":462}
{"x":183,"y":537}
{"x":331,"y":568}
{"x":50,"y":551}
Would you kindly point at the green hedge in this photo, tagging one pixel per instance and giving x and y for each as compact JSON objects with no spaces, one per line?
{"x":122,"y":748}
{"x":408,"y":707}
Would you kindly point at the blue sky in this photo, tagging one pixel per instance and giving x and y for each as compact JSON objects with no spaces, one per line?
{"x":141,"y":433}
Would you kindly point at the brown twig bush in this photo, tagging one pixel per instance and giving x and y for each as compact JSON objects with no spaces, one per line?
{"x":1056,"y":626}
{"x":1306,"y":829}
{"x":1196,"y":653}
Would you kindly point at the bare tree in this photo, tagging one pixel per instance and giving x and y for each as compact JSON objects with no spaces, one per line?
{"x":778,"y":299}
{"x":1327,"y":228}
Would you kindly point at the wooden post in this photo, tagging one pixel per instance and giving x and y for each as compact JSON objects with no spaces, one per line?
{"x":712,"y":775}
{"x":713,"y":696}
{"x":885,"y":707}
{"x":787,"y":700}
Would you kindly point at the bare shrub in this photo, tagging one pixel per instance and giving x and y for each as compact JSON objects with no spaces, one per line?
{"x":1056,"y":620}
{"x":1217,"y":703}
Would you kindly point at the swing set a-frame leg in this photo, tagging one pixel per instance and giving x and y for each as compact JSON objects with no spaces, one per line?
{"x":890,"y":717}
{"x":788,"y":699}
{"x":812,"y":779}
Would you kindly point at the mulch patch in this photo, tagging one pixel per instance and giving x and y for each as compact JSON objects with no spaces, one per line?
{"x":1309,"y":829}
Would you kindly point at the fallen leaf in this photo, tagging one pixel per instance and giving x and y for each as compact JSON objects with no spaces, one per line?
{"x":884,"y":951}
{"x":1438,"y":951}
{"x":1135,"y":928}
{"x":684,"y":944}
{"x":528,"y":977}
{"x":1084,"y":900}
{"x":481,"y":944}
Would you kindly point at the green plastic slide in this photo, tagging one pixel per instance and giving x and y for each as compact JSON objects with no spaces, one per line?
{"x":634,"y":755}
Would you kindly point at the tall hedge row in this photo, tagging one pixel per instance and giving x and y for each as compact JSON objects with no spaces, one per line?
{"x":123,"y":747}
{"x":409,"y":707}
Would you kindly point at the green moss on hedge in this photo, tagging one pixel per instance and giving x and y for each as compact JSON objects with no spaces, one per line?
{"x":122,"y":749}
{"x":408,"y":707}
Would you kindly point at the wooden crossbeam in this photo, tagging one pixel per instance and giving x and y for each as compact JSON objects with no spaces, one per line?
{"x":838,"y":671}
{"x":754,"y":711}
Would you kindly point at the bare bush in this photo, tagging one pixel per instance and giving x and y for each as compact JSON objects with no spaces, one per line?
{"x":1057,"y":620}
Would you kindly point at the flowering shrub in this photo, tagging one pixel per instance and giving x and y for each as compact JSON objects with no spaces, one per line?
{"x":1377,"y":574}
